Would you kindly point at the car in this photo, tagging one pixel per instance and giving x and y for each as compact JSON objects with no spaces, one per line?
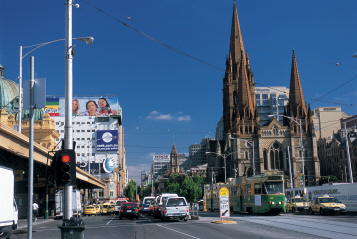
{"x":327,"y":204}
{"x":117,"y":206}
{"x":151,"y":208}
{"x":97,"y":207}
{"x":174,"y":208}
{"x":159,"y":201}
{"x":111,"y":208}
{"x":129,"y":210}
{"x":90,"y":210}
{"x":105,"y":208}
{"x":297,"y":204}
{"x":146,"y":202}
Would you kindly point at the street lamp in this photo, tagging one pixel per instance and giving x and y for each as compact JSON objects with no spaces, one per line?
{"x":224,"y":156}
{"x":301,"y":146}
{"x":251,"y":143}
{"x":88,"y":40}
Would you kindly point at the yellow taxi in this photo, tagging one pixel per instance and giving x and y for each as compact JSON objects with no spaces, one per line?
{"x":111,"y":208}
{"x":90,"y":210}
{"x":297,"y":204}
{"x":327,"y":204}
{"x":105,"y":208}
{"x":97,"y":207}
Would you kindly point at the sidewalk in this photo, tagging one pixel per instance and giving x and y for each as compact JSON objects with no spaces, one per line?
{"x":22,"y":223}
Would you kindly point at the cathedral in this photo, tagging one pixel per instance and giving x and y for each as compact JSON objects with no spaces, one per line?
{"x":250,"y":148}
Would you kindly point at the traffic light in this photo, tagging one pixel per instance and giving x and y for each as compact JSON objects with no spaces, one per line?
{"x":64,"y":170}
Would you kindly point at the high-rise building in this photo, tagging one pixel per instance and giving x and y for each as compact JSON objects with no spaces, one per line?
{"x":270,"y":101}
{"x":98,"y":138}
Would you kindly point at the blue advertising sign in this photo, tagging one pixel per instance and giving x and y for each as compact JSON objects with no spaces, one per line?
{"x":107,"y":140}
{"x":109,"y":165}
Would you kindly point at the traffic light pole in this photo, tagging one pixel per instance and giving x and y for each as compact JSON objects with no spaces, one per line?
{"x":67,"y":213}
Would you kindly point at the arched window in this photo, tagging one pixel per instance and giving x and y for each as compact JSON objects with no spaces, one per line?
{"x":276,"y":157}
{"x":265,"y":156}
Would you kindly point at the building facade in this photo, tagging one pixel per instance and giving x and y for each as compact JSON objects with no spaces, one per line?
{"x":327,"y":121}
{"x":271,"y":101}
{"x":250,"y":147}
{"x":98,"y":136}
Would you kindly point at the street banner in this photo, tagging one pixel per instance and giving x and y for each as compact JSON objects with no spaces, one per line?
{"x":224,"y":203}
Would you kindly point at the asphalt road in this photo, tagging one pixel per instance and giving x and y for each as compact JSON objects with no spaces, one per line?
{"x":247,"y":226}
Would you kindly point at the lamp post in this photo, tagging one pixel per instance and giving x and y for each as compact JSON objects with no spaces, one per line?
{"x":251,"y":143}
{"x":348,"y":151}
{"x":224,"y":156}
{"x":88,"y":40}
{"x":301,"y":146}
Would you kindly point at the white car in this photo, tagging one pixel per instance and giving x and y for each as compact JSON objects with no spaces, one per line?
{"x":175,"y":208}
{"x":117,"y":206}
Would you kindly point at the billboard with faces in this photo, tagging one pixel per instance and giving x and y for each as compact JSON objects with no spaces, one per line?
{"x":84,"y":106}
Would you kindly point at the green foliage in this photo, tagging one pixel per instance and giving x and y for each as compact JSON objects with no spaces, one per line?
{"x":147,"y":192}
{"x":130,"y":190}
{"x":188,"y":187}
{"x":331,"y":178}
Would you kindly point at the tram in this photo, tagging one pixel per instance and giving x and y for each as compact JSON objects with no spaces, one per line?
{"x":259,"y":194}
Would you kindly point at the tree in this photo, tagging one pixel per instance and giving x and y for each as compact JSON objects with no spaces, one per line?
{"x":147,"y":192}
{"x":188,"y":187}
{"x":330,"y":178}
{"x":130,"y":190}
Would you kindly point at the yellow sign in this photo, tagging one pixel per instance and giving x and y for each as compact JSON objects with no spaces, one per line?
{"x":223,"y":192}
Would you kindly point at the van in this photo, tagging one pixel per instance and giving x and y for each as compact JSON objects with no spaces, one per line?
{"x":159,"y":200}
{"x":146,"y":202}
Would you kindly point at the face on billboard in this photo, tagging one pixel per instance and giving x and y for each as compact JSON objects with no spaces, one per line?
{"x":81,"y":106}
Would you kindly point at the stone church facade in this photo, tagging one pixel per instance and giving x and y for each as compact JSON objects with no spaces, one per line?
{"x":273,"y":143}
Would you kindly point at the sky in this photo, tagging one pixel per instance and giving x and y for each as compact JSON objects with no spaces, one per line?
{"x":165,"y":60}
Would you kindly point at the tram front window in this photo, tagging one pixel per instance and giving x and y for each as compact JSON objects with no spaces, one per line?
{"x":273,"y":188}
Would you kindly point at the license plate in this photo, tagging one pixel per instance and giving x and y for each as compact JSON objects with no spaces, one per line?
{"x":337,"y":209}
{"x":128,"y":210}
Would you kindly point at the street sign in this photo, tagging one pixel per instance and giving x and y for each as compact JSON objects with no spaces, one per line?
{"x":224,"y":203}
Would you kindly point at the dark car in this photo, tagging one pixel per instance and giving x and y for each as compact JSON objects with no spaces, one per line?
{"x":129,"y":210}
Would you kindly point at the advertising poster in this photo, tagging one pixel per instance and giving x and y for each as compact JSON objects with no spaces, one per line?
{"x":84,"y":106}
{"x":107,"y":140}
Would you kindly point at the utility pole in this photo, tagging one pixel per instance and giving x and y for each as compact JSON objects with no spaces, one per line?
{"x":68,"y":134}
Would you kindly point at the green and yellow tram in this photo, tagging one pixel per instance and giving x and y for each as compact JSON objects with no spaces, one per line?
{"x":263,"y":193}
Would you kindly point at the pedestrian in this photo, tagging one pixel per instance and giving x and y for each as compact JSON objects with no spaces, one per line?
{"x":35,"y":211}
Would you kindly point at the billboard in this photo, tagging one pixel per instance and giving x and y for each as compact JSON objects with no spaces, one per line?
{"x":163,"y":157}
{"x":107,"y":140}
{"x":84,"y":106}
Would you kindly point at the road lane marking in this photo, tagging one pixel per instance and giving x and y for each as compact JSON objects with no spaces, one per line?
{"x":111,"y":219}
{"x":178,"y":231}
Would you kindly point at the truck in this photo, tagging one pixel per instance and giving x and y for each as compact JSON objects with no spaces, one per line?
{"x":8,"y":207}
{"x":76,"y":203}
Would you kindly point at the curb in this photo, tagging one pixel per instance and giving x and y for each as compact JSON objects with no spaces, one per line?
{"x":224,"y":222}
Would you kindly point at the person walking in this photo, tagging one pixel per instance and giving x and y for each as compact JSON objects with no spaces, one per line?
{"x":35,"y":211}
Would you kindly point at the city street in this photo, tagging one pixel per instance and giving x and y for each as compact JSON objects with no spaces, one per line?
{"x":247,"y":226}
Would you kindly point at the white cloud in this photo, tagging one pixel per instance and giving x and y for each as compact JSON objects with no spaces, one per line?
{"x":155,"y":115}
{"x":184,"y":118}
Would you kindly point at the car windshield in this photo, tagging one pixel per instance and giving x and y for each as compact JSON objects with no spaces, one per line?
{"x":327,"y":200}
{"x":298,"y":200}
{"x":105,"y":206}
{"x":273,"y":188}
{"x":89,"y":207}
{"x":172,"y":202}
{"x":147,"y":201}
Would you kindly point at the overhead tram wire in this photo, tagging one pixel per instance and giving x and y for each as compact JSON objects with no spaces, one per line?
{"x":217,"y":68}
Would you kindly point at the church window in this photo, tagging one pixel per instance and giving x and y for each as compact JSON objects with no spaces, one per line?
{"x":265,"y":156}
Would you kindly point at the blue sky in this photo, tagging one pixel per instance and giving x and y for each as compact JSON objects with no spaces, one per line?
{"x":170,"y":97}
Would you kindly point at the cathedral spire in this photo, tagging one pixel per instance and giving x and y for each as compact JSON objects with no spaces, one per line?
{"x":236,"y":40}
{"x":296,"y":98}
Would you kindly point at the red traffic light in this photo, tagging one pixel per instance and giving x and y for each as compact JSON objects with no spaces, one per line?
{"x":65,"y":158}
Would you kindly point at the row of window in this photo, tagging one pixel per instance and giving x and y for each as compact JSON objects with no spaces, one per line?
{"x":86,"y":154}
{"x":79,"y":131}
{"x":62,"y":123}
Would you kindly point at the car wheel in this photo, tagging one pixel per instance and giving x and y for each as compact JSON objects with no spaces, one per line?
{"x":310,"y":211}
{"x":162,"y":219}
{"x":293,"y":210}
{"x":322,"y":211}
{"x":343,"y":213}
